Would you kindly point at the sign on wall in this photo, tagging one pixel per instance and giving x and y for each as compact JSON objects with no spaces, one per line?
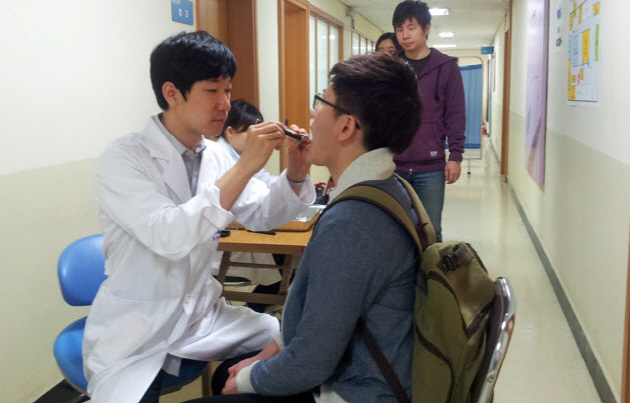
{"x":583,"y":52}
{"x":182,"y":11}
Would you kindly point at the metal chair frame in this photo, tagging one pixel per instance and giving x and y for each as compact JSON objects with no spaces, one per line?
{"x":500,"y":329}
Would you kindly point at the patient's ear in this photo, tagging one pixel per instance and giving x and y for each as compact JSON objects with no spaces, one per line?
{"x":349,"y":129}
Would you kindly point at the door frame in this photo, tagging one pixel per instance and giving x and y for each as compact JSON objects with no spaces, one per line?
{"x":507,"y":78}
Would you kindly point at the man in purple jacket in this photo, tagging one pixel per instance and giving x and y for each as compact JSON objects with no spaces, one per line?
{"x":424,"y":164}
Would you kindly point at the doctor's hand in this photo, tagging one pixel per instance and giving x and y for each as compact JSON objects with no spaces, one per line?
{"x":298,"y":159}
{"x":261,"y":140}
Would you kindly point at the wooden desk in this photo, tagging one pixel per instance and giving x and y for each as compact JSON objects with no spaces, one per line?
{"x":287,"y":243}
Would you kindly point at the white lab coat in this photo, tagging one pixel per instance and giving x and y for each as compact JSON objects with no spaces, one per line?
{"x":160,"y":302}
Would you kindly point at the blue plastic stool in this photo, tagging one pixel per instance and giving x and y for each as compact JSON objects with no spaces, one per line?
{"x":81,"y":270}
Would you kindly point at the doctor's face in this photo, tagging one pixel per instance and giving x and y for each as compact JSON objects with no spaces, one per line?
{"x":206,"y":106}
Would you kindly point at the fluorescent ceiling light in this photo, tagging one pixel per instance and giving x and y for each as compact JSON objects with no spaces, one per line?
{"x":446,"y":34}
{"x":439,"y":11}
{"x":445,"y":45}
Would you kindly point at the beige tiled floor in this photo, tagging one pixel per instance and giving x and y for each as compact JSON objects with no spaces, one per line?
{"x":543,"y":364}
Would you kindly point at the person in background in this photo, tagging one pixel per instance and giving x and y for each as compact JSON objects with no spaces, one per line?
{"x":441,"y":87}
{"x":241,"y":117}
{"x":387,"y":43}
{"x":359,"y":262}
{"x":164,"y":195}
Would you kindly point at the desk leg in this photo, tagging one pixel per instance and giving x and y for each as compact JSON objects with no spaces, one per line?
{"x":287,"y":271}
{"x":223,"y":267}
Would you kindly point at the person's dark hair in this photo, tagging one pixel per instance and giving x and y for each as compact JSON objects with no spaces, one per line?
{"x":242,"y":115}
{"x":385,"y":36}
{"x":186,"y":58}
{"x":382,"y":92}
{"x":409,"y":9}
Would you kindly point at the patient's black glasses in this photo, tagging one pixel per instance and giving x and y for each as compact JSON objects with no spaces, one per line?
{"x":318,"y":100}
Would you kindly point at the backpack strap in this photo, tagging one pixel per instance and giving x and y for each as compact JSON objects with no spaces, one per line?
{"x":389,"y":204}
{"x":383,"y":365}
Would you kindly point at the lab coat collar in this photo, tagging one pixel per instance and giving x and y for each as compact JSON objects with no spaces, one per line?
{"x":374,"y":165}
{"x":173,"y":169}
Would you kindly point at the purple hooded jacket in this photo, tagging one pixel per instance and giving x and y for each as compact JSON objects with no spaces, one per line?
{"x":443,"y":117}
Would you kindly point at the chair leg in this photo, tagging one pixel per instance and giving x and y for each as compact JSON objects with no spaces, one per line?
{"x":206,"y":378}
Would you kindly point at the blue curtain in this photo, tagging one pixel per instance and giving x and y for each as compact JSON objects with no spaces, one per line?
{"x":473,"y":79}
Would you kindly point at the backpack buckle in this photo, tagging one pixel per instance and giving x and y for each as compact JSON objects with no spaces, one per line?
{"x":458,"y":257}
{"x":448,"y":263}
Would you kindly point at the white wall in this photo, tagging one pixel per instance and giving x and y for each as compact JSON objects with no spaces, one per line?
{"x":268,"y":68}
{"x":75,"y":77}
{"x":495,"y":89}
{"x":581,"y":214}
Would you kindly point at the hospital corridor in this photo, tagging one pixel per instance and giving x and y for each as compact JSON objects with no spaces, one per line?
{"x":543,"y":196}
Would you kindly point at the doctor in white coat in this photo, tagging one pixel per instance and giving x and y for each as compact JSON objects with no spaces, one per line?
{"x":164,"y":195}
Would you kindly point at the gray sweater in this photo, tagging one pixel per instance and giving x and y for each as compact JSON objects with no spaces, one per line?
{"x":359,"y":262}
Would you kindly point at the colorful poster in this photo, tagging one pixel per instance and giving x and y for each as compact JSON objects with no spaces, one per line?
{"x":536,"y":109}
{"x":583,"y":52}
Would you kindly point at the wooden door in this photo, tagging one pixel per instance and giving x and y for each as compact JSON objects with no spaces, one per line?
{"x":233,"y":22}
{"x":293,"y":64}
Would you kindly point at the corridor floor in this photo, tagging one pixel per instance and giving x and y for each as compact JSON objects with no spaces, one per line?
{"x":543,"y":363}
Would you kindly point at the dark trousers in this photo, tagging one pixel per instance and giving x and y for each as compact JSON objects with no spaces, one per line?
{"x":221,"y":375}
{"x":152,"y":395}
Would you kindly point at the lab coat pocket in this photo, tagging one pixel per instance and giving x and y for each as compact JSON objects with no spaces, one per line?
{"x":119,"y":328}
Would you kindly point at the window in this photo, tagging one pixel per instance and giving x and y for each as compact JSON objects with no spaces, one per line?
{"x":324,"y":50}
{"x":361,"y":45}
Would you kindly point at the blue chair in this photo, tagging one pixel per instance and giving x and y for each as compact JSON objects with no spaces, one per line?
{"x":81,"y":270}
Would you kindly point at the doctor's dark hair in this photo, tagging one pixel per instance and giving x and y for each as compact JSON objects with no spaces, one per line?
{"x":242,"y":115}
{"x":382,"y":93}
{"x":186,"y":58}
{"x":409,"y":9}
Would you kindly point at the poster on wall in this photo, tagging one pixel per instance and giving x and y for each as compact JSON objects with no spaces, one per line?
{"x":536,"y":108}
{"x":558,"y":26}
{"x":583,"y":53}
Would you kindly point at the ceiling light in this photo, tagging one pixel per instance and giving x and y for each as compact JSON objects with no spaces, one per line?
{"x":439,"y":11}
{"x":446,"y":34}
{"x":445,"y":45}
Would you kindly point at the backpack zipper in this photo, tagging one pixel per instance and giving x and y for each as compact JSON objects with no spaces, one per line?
{"x":474,"y":325}
{"x":438,"y":354}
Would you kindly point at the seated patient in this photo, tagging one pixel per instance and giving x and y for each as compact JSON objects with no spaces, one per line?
{"x":359,"y":263}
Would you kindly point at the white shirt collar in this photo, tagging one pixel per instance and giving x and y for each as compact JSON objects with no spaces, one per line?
{"x":374,"y":165}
